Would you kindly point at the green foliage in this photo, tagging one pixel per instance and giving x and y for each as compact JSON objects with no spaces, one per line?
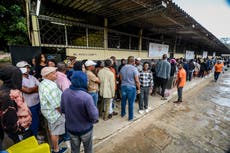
{"x":13,"y":29}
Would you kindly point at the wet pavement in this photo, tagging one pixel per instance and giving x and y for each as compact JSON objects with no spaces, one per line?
{"x":201,"y":124}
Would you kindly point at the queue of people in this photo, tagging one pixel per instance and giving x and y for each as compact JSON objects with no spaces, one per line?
{"x":71,"y":95}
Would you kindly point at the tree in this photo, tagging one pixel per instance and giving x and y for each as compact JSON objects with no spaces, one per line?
{"x":13,"y":29}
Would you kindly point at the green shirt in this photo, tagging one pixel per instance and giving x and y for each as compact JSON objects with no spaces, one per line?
{"x":50,"y":99}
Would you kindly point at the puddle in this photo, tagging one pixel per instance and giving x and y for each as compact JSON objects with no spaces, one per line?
{"x":221,"y":101}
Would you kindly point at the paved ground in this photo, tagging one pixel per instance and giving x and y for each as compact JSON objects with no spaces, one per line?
{"x":201,"y":124}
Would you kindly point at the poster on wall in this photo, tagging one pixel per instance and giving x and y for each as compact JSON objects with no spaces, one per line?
{"x":157,"y":50}
{"x":205,"y":54}
{"x":189,"y":55}
{"x":214,"y":54}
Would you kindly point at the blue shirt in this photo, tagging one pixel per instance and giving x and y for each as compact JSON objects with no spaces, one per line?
{"x":128,"y":73}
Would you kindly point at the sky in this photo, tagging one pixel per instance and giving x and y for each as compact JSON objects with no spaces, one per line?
{"x":214,"y":15}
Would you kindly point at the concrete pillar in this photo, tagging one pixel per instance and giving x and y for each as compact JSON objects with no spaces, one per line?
{"x":106,"y":33}
{"x":36,"y":41}
{"x":140,"y":42}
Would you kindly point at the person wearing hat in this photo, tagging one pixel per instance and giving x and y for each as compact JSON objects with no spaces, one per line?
{"x":30,"y":93}
{"x":93,"y":80}
{"x":50,"y":100}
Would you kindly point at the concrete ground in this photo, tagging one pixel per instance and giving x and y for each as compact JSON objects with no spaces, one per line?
{"x":201,"y":124}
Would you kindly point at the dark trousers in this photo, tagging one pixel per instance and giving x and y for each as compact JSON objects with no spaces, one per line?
{"x":190,"y":75}
{"x":216,"y":75}
{"x":144,"y":98}
{"x":163,"y":83}
{"x":179,"y":92}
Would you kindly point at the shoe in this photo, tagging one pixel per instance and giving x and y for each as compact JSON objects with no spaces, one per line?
{"x":141,"y":112}
{"x":61,"y":150}
{"x":115,"y":113}
{"x":176,"y":102}
{"x":110,"y":116}
{"x":163,"y":98}
{"x":147,"y":110}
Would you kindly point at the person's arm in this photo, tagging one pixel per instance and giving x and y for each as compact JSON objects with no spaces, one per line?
{"x":91,"y":110}
{"x":137,"y":83}
{"x":29,"y":90}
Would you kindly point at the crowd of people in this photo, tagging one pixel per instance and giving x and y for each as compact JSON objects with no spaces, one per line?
{"x":71,"y":95}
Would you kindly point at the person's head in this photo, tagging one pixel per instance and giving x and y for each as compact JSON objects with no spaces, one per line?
{"x":108,"y":63}
{"x":33,"y":61}
{"x":138,"y":61}
{"x":131,"y":60}
{"x":90,"y":65}
{"x":99,"y":64}
{"x":61,"y":67}
{"x":173,"y":61}
{"x":41,"y":58}
{"x":49,"y":73}
{"x":123,"y":61}
{"x":78,"y":66}
{"x":24,"y":67}
{"x":164,"y":57}
{"x":180,"y":66}
{"x":11,"y":77}
{"x":51,"y":63}
{"x":145,"y":66}
{"x":79,"y":80}
{"x":114,"y":60}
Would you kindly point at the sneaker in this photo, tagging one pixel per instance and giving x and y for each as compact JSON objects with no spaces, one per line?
{"x":147,"y":110}
{"x":163,"y":98}
{"x":141,"y":111}
{"x":61,"y":150}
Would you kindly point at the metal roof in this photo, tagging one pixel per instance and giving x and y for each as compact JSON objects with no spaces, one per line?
{"x":161,"y":19}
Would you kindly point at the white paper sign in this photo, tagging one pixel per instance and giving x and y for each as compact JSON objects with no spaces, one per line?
{"x":189,"y":55}
{"x":205,"y":54}
{"x":157,"y":50}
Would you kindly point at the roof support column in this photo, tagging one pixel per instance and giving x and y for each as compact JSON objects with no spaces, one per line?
{"x":106,"y":31}
{"x":140,"y":42}
{"x":35,"y":34}
{"x":174,"y":48}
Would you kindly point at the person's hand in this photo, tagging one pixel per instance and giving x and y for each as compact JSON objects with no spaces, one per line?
{"x":138,"y":92}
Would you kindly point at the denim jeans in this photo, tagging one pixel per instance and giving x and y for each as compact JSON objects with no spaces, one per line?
{"x":128,"y":92}
{"x":144,"y":98}
{"x":35,"y":119}
{"x":216,"y":75}
{"x":179,"y":91}
{"x":86,"y":139}
{"x":95,"y":97}
{"x":163,"y":83}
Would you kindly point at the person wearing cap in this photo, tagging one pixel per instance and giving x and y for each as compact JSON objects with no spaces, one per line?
{"x":80,"y":113}
{"x":50,"y":100}
{"x":93,"y":80}
{"x":130,"y":85}
{"x":107,"y":87}
{"x":30,"y":93}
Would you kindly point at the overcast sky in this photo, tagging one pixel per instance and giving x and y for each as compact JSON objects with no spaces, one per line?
{"x":214,"y":15}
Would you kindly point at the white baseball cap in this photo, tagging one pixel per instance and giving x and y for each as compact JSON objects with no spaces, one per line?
{"x":22,"y":64}
{"x":138,"y":59}
{"x":90,"y":63}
